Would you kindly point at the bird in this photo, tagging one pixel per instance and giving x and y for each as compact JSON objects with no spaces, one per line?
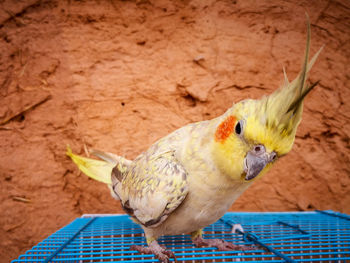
{"x":188,"y":179}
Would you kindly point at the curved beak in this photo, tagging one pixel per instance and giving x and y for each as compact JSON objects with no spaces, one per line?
{"x":256,"y":160}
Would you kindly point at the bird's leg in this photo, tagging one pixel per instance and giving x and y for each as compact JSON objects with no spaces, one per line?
{"x":199,"y":241}
{"x":160,"y":252}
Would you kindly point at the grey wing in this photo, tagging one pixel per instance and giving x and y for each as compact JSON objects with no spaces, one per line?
{"x":153,"y":188}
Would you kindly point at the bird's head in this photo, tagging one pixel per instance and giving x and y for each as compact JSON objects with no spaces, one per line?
{"x":253,"y":134}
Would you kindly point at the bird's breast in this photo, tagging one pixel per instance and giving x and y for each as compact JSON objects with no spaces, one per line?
{"x":206,"y":202}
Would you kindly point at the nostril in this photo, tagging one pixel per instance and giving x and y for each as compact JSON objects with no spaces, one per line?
{"x":274,"y":155}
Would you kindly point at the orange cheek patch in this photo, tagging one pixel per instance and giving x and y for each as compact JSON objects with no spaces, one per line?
{"x":225,"y":129}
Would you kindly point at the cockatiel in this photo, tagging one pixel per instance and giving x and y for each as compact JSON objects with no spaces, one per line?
{"x":190,"y":178}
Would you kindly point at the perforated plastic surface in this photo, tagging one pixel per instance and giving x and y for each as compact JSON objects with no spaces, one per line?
{"x":320,"y":236}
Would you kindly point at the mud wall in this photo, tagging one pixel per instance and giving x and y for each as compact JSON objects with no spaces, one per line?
{"x":118,"y":75}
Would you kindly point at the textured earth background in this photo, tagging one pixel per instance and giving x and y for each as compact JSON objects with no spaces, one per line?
{"x":118,"y":75}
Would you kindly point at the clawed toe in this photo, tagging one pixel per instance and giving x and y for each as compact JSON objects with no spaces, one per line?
{"x":170,"y":254}
{"x":159,"y":251}
{"x":220,"y":244}
{"x":247,"y":248}
{"x":231,"y":246}
{"x":225,"y":246}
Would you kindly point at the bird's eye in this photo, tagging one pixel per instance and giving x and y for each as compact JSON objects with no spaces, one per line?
{"x":238,"y":128}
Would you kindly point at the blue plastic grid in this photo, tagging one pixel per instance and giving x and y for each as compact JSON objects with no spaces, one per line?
{"x":320,"y":236}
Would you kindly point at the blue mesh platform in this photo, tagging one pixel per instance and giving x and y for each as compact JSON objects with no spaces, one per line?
{"x":320,"y":236}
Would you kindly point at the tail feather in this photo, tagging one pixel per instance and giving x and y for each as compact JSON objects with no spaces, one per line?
{"x":96,"y":169}
{"x":110,"y":157}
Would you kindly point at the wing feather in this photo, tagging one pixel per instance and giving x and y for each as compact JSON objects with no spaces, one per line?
{"x":153,"y":188}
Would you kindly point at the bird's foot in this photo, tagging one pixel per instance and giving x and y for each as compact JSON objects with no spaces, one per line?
{"x":160,"y":252}
{"x":219,"y":243}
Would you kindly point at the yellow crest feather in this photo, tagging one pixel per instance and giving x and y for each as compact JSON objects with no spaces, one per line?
{"x":281,"y":111}
{"x":273,"y":120}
